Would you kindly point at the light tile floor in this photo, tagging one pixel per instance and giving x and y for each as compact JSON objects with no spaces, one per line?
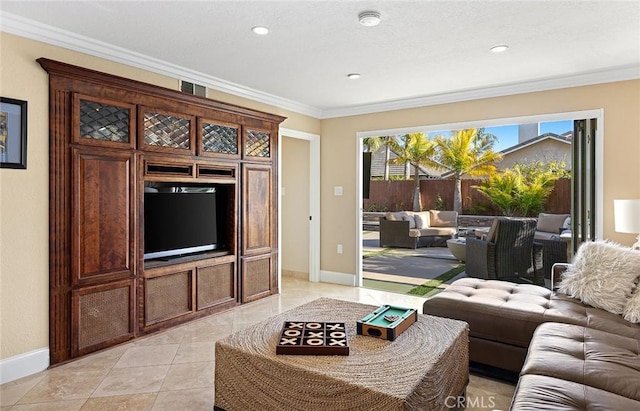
{"x":174,"y":369}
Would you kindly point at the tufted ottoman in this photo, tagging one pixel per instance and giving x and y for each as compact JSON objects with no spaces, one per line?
{"x":503,"y":316}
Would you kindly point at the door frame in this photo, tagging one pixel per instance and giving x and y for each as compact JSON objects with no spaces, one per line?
{"x":314,"y":200}
{"x":598,"y":114}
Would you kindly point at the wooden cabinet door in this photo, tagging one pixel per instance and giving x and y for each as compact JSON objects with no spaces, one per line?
{"x":258,"y":278}
{"x":103,"y":237}
{"x":258,"y":222}
{"x":101,"y":316}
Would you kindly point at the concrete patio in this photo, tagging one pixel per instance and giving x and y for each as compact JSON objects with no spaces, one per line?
{"x":403,"y":265}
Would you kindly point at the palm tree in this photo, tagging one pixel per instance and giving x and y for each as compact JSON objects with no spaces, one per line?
{"x":466,"y":152}
{"x":416,"y":150}
{"x":373,"y":144}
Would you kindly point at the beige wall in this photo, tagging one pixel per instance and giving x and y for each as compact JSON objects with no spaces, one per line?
{"x":24,"y":197}
{"x":24,"y":193}
{"x":294,"y":203}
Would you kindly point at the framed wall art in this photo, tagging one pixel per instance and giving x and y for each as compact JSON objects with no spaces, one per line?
{"x":13,"y":133}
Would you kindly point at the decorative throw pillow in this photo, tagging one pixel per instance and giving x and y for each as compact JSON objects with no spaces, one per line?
{"x":411,"y":220}
{"x":632,"y":309}
{"x":443,"y":218}
{"x":422,"y":219}
{"x":603,"y":275}
{"x":393,"y":216}
{"x":551,"y":223}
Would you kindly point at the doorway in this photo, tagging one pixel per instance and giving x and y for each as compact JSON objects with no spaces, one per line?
{"x":299,"y":211}
{"x":596,"y":190}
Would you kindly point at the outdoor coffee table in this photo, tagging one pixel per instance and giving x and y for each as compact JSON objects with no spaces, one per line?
{"x":425,"y":368}
{"x":458,"y":247}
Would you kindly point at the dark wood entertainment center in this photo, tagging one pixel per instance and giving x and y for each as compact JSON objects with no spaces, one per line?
{"x":110,"y":137}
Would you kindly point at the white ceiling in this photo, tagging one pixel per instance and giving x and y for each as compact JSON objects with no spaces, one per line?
{"x":422,"y":52}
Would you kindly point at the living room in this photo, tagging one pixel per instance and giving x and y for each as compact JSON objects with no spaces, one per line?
{"x":24,"y":264}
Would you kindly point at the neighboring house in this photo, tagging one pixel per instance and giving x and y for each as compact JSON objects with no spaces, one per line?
{"x":397,"y":170}
{"x":546,"y":147}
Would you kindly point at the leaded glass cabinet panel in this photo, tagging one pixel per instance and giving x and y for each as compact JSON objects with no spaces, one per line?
{"x":219,"y":139}
{"x":257,"y":144}
{"x":103,"y":123}
{"x":163,"y":131}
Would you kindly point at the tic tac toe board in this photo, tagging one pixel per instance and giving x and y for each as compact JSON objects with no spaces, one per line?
{"x":387,"y":322}
{"x":313,"y":338}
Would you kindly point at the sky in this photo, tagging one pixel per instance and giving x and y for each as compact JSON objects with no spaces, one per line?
{"x":508,"y":135}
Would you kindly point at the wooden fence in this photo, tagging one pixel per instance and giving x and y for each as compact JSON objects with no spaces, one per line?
{"x":396,"y":196}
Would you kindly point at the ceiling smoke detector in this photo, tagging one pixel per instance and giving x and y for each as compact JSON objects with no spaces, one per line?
{"x":369,"y":18}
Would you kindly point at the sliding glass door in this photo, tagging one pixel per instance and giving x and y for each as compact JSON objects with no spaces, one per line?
{"x":583,"y":204}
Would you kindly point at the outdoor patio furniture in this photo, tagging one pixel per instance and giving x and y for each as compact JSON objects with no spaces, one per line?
{"x":410,"y":229}
{"x":550,"y":226}
{"x":506,"y":253}
{"x":547,"y":253}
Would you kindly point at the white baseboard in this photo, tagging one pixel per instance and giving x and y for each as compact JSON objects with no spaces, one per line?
{"x":337,"y":278}
{"x":22,"y":365}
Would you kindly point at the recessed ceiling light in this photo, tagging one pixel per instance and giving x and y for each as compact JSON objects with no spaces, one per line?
{"x":499,"y":49}
{"x":369,"y":18}
{"x":260,"y":30}
{"x":353,"y":75}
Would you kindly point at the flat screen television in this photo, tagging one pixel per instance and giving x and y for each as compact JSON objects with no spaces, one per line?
{"x":179,"y":223}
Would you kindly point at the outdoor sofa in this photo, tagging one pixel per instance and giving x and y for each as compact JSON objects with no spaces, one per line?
{"x":575,"y":348}
{"x":410,"y":229}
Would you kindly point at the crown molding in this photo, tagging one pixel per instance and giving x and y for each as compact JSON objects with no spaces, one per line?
{"x":581,"y":79}
{"x":34,"y":30}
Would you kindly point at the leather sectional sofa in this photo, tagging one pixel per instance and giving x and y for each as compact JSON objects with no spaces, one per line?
{"x":569,"y":355}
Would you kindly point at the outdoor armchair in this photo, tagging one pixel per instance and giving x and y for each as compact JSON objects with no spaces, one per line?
{"x":506,"y":253}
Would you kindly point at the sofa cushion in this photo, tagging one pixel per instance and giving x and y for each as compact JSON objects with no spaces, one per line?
{"x":422,"y":219}
{"x":432,"y":232}
{"x":443,"y":218}
{"x":437,"y":231}
{"x":492,"y":235}
{"x":594,"y":358}
{"x":603,"y":275}
{"x":540,"y":392}
{"x":551,"y":223}
{"x":396,"y":215}
{"x":543,"y":235}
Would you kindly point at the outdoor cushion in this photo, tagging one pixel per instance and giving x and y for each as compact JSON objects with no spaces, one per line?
{"x":442,"y":231}
{"x":411,"y":220}
{"x":551,"y":223}
{"x":422,"y":219}
{"x":443,"y":218}
{"x":431,"y":232}
{"x":492,"y":236}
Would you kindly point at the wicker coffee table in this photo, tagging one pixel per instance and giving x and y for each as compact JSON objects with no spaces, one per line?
{"x":420,"y":370}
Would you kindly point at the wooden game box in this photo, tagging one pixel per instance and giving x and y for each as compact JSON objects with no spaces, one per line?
{"x":313,"y":338}
{"x":387,"y":322}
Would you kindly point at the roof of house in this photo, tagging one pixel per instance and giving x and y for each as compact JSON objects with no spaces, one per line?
{"x":377,"y":166}
{"x":563,"y":138}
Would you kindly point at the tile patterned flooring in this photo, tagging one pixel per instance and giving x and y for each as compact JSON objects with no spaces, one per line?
{"x":174,"y":369}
